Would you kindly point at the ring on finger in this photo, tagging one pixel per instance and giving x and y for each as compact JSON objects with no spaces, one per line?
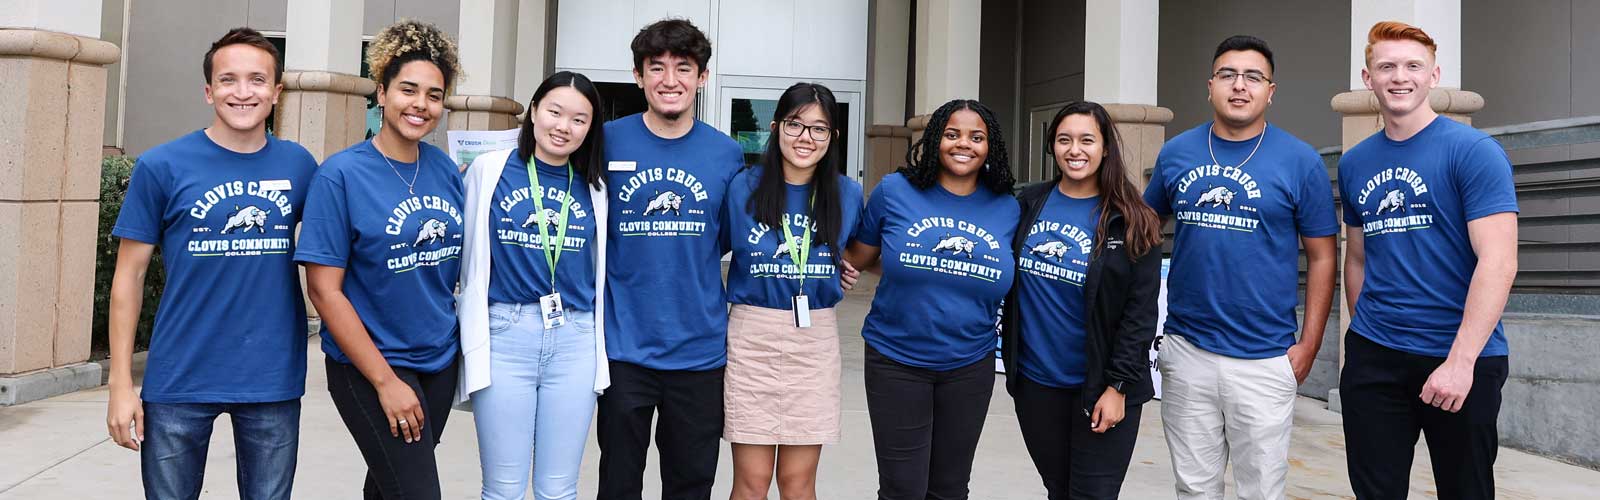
{"x":403,"y":422}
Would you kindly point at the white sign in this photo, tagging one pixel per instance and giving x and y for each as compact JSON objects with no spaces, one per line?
{"x":1161,"y":324}
{"x":466,"y":145}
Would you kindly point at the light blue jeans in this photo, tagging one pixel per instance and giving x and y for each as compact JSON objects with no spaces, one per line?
{"x":538,"y":380}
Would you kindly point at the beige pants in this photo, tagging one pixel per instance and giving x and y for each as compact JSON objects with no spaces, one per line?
{"x":1214,"y":409}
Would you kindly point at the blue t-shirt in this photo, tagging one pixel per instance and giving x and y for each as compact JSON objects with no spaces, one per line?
{"x":763,"y":273}
{"x":1235,"y":252}
{"x":231,"y":326}
{"x":1413,"y":199}
{"x":665,"y":305}
{"x":519,"y":273}
{"x":947,"y":265}
{"x":401,"y":252}
{"x":1050,"y":279}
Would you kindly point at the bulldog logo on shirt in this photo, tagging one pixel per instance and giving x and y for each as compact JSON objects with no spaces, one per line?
{"x":980,"y":252}
{"x":1226,"y":203}
{"x":245,"y":219}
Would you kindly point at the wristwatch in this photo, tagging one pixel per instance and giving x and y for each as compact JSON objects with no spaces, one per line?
{"x":1117,"y":384}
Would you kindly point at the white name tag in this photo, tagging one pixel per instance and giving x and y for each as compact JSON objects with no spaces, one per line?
{"x":622,"y":166}
{"x":276,"y":185}
{"x":550,"y":309}
{"x":802,"y":311}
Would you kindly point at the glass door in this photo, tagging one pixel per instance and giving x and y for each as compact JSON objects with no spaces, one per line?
{"x":746,"y":113}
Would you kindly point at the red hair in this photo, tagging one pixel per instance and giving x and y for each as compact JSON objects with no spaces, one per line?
{"x":1386,"y":31}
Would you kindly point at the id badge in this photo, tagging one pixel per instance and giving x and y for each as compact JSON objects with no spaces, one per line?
{"x":802,"y":311}
{"x":551,"y":310}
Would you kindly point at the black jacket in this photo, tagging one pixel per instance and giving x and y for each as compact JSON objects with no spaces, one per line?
{"x":1120,"y":298}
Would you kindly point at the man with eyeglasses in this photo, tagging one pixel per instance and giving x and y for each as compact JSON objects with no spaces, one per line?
{"x":1245,"y":195}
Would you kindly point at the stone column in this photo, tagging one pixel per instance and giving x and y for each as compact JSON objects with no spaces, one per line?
{"x":1441,"y":19}
{"x":889,"y":48}
{"x":1119,"y":56}
{"x":324,"y":102}
{"x":52,"y":118}
{"x":946,"y":57}
{"x":489,"y":63}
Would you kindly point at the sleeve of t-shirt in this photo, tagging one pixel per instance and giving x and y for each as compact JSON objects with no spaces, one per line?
{"x":325,"y":233}
{"x":877,"y":207}
{"x":1483,"y":179}
{"x":1352,"y":213}
{"x":1155,"y":193}
{"x":1313,"y":214}
{"x":140,"y":218}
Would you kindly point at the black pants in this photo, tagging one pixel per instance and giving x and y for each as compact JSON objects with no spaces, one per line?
{"x":688,"y":432}
{"x":1380,"y":388}
{"x":1074,"y":461}
{"x":925,"y":425}
{"x":395,"y":469}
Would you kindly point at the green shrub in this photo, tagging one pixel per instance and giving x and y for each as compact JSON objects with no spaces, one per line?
{"x":114,"y":173}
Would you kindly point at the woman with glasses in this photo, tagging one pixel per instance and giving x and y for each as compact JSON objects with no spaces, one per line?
{"x":787,"y":218}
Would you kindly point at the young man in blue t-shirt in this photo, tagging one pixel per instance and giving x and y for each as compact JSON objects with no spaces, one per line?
{"x":230,"y":334}
{"x":1246,"y":195}
{"x":1431,"y":214}
{"x":665,"y":319}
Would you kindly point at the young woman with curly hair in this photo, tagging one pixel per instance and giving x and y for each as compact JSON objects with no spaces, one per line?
{"x":380,"y":242}
{"x":939,"y":231}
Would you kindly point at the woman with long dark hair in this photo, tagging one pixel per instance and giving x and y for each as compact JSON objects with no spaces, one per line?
{"x":533,"y":267}
{"x":380,"y":241}
{"x":787,"y":218}
{"x":939,"y":230}
{"x":1081,"y":315}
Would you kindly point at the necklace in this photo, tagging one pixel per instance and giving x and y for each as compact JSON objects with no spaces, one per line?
{"x":411,"y":187}
{"x":1252,"y":154}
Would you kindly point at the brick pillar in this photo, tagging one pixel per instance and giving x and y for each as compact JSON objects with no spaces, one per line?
{"x":1143,"y":129}
{"x":886,"y":151}
{"x":323,"y":110}
{"x":52,"y":118}
{"x":482,"y":112}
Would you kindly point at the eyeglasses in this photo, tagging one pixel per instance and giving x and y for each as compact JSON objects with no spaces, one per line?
{"x":1251,"y":78}
{"x":819,"y":133}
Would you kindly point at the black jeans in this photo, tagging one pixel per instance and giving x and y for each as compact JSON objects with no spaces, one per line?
{"x":688,"y":434}
{"x":1379,"y":390}
{"x":1074,"y":461}
{"x":395,"y":469}
{"x":925,"y":425}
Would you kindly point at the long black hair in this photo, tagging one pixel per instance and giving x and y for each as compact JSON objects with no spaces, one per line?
{"x":769,"y":200}
{"x":587,"y":159}
{"x":922,"y":158}
{"x":1116,"y":191}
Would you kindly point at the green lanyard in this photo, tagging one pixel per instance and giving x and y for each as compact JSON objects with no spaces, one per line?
{"x":800,"y":251}
{"x":551,"y":255}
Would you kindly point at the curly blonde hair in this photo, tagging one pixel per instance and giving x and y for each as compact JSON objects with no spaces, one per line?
{"x":412,"y":40}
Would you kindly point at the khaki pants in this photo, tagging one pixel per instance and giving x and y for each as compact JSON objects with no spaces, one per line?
{"x":1214,"y":409}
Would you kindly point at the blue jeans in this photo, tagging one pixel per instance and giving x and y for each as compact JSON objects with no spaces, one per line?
{"x":266,"y":437}
{"x":539,"y":379}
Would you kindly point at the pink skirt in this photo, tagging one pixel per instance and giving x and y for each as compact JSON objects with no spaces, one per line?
{"x":781,"y":386}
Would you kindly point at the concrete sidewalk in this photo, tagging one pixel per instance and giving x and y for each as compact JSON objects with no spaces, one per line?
{"x":57,"y":448}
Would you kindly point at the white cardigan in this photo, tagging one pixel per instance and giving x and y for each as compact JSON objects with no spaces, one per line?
{"x":472,"y":305}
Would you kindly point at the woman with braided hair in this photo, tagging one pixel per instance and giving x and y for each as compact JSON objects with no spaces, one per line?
{"x":381,"y":241}
{"x":939,"y":232}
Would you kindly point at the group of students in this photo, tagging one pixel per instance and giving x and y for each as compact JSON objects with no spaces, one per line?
{"x":581,"y":272}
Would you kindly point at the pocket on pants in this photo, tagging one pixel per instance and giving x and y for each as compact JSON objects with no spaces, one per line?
{"x":501,"y":318}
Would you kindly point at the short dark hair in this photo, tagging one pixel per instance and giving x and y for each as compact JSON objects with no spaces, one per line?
{"x":245,"y":36}
{"x":677,"y":36}
{"x":1245,"y":42}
